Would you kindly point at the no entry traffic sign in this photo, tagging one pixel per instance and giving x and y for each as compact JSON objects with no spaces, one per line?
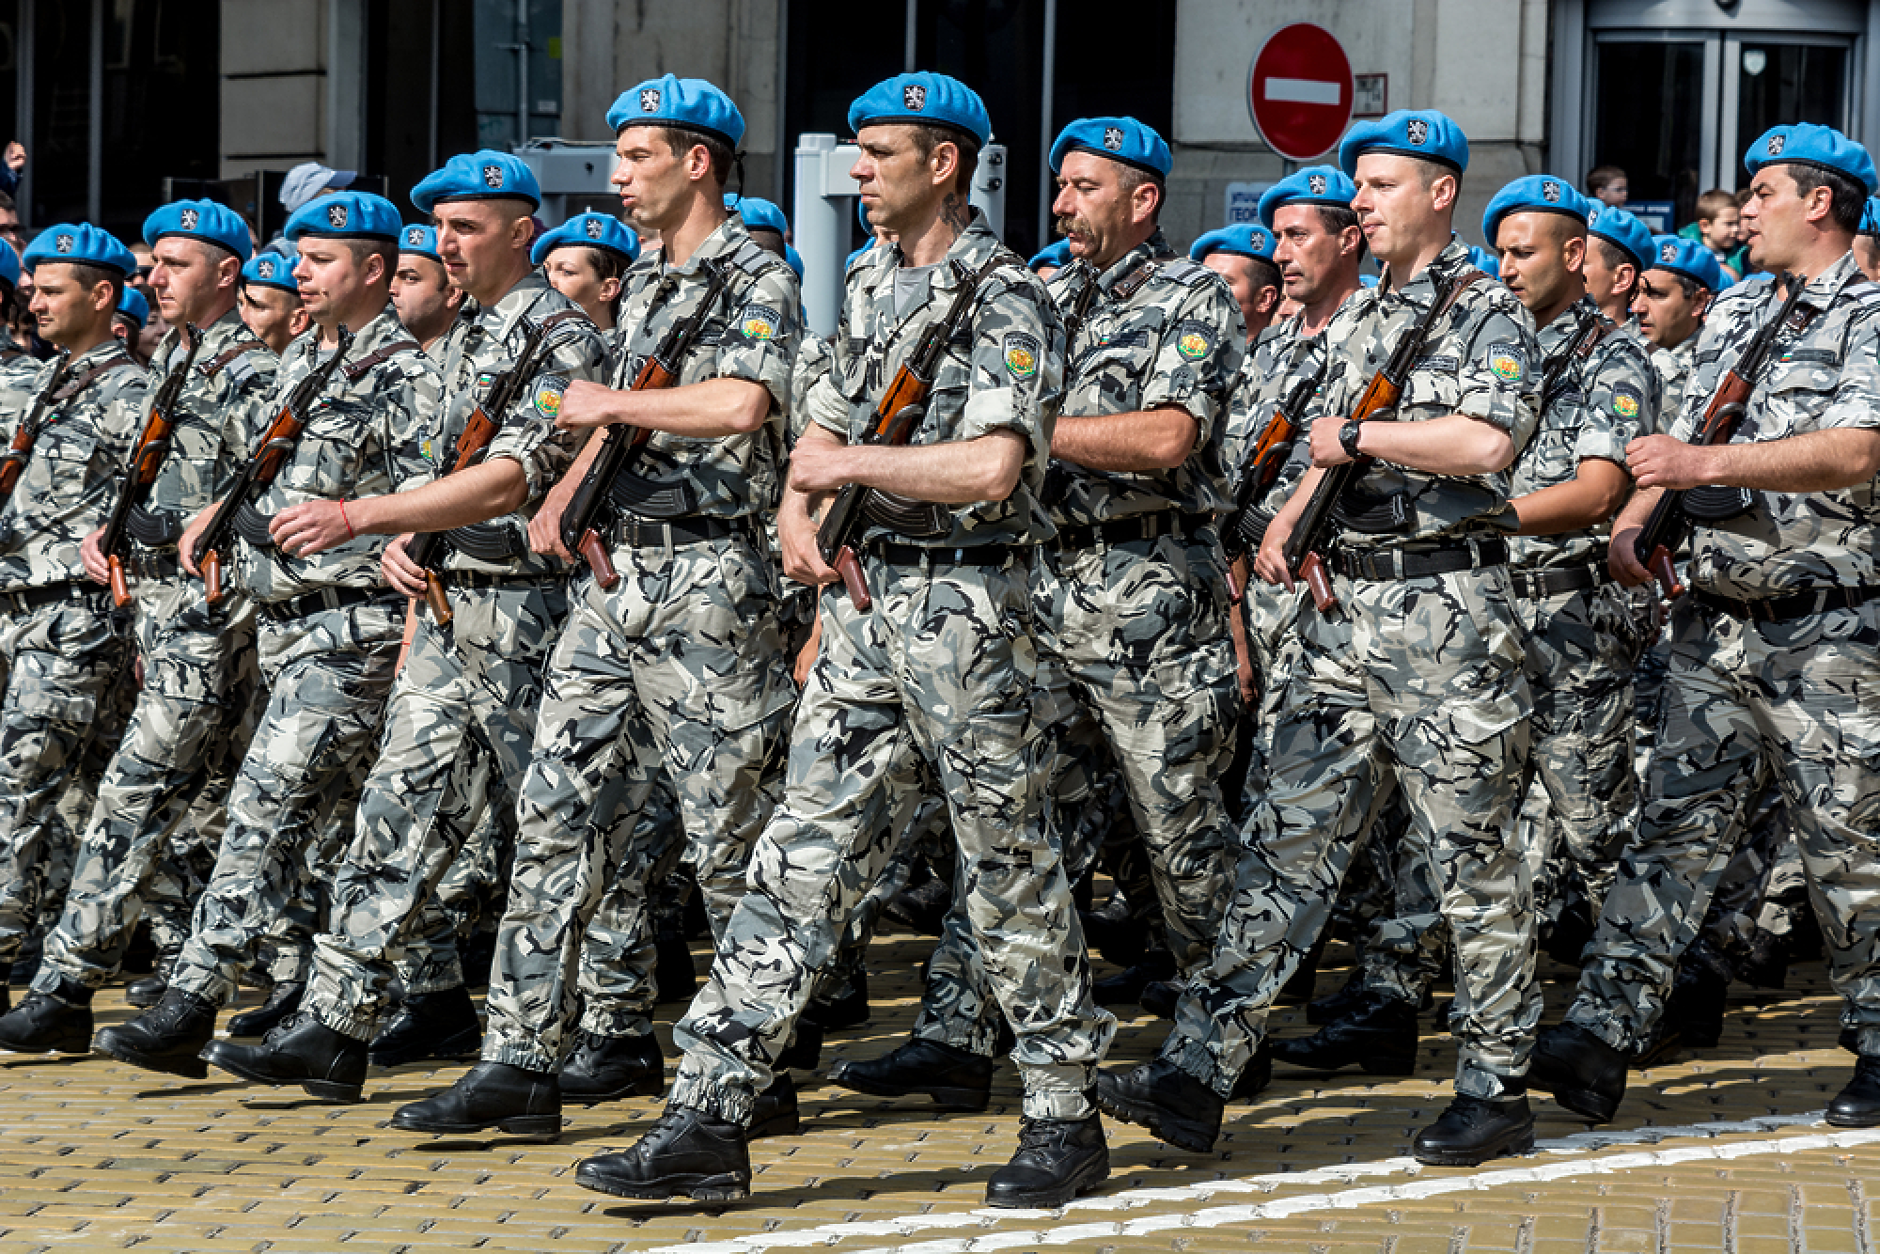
{"x":1299,"y":91}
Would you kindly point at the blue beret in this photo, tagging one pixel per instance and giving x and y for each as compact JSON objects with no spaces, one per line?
{"x":80,"y":242}
{"x":1119,"y":139}
{"x":1689,"y":258}
{"x":1870,"y":217}
{"x":133,"y":305}
{"x":588,"y":230}
{"x":927,"y":98}
{"x":758,"y":214}
{"x":1488,"y":263}
{"x":1809,"y":144}
{"x":794,"y":260}
{"x":1422,"y":133}
{"x":9,"y":265}
{"x":345,"y":215}
{"x":204,"y":220}
{"x":1534,"y":193}
{"x":1056,"y":254}
{"x":691,"y":104}
{"x":420,"y":241}
{"x":271,"y":269}
{"x":1243,"y":239}
{"x":482,"y":175}
{"x":1314,"y":185}
{"x":1623,"y":231}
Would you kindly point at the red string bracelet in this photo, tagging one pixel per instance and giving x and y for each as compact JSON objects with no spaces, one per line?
{"x":350,"y":533}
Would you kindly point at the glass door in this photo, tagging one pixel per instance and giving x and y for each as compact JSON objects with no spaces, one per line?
{"x":1655,"y":110}
{"x":1772,"y":82}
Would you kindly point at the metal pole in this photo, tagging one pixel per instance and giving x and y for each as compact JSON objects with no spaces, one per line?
{"x":819,"y":226}
{"x":783,"y":99}
{"x":437,"y":38}
{"x":911,"y":40}
{"x":24,"y":56}
{"x":94,"y":123}
{"x":1046,"y":127}
{"x":522,"y":71}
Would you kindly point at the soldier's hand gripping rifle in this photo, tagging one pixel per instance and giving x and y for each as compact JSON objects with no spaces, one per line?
{"x":893,"y":422}
{"x":427,"y":548}
{"x":1304,"y":547}
{"x":1669,"y":524}
{"x":277,"y":444}
{"x":587,"y":510}
{"x":1246,"y":526}
{"x":13,"y":461}
{"x":140,"y":473}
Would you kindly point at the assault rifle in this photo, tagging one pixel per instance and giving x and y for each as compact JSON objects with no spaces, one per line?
{"x":140,"y":473}
{"x":1246,"y":526}
{"x":13,"y":461}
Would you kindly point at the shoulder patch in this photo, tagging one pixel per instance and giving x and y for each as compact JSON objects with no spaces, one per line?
{"x":1626,"y":401}
{"x":546,"y":395}
{"x":758,"y":323}
{"x":1021,"y":355}
{"x":1507,"y":362}
{"x":1194,"y":341}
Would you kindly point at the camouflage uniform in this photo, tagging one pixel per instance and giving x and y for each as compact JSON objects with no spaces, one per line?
{"x":62,"y":643}
{"x":470,"y":687}
{"x":941,"y":667}
{"x":1748,"y":702}
{"x":1422,"y":690}
{"x":187,"y":734}
{"x":328,"y":633}
{"x":680,"y":665}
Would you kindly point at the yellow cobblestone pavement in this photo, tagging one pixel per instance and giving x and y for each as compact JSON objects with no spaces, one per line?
{"x":1718,"y":1152}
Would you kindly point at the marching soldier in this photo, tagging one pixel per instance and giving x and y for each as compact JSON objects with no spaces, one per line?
{"x":328,"y":627}
{"x":586,"y":259}
{"x":270,"y":301}
{"x":1674,"y":294}
{"x":185,"y":737}
{"x":1772,"y":651}
{"x":941,"y":666}
{"x":1618,"y":251}
{"x":1243,"y":256}
{"x":62,"y":640}
{"x":1422,"y":689}
{"x":428,"y":303}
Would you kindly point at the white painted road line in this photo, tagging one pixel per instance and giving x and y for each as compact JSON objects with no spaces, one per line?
{"x":1581,"y":1143}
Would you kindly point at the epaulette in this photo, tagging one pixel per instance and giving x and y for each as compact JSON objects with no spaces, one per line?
{"x":1185,"y":272}
{"x":234,"y":359}
{"x":356,"y":370}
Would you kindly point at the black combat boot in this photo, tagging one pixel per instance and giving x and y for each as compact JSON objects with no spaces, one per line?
{"x":1255,"y":1076}
{"x":1697,"y":1003}
{"x":1057,"y":1160}
{"x":955,"y":1078}
{"x":1584,"y":1074}
{"x":774,"y":1112}
{"x":1377,"y":1033}
{"x":1163,"y":1098}
{"x":610,"y":1068}
{"x":674,"y":975}
{"x":847,"y":1009}
{"x":283,"y":1000}
{"x":489,"y":1095}
{"x":1126,"y":989}
{"x":169,"y":1037}
{"x":1476,"y":1129}
{"x":429,"y":1025}
{"x":1335,"y":1006}
{"x":1858,"y":1105}
{"x":327,"y":1064}
{"x":148,"y":991}
{"x":804,"y":1050}
{"x":1160,"y":997}
{"x":58,"y":1022}
{"x":687,"y":1153}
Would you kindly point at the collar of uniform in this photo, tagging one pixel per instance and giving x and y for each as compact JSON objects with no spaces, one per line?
{"x":730,"y":235}
{"x":1824,"y":287}
{"x":99,"y":352}
{"x":1155,"y":248}
{"x":384,"y":328}
{"x":512,"y":306}
{"x":972,"y":248}
{"x":1571,"y":319}
{"x":1423,"y":287}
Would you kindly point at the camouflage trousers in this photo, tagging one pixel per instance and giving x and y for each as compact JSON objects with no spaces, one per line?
{"x":66,"y":666}
{"x":174,"y":766}
{"x":942,"y":669}
{"x":680,"y":667}
{"x":1423,"y":688}
{"x":328,"y":674}
{"x":1794,"y":703}
{"x":468,"y":688}
{"x":620,"y":953}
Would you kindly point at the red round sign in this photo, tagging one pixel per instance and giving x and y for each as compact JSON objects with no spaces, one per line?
{"x":1300,"y":91}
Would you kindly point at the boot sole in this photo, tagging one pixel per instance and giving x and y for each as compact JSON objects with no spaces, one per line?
{"x":544,"y":1126}
{"x":1166,"y":1126}
{"x":645,"y":1086}
{"x":1084,"y":1181}
{"x":326,"y":1090}
{"x":1869,"y":1120}
{"x":80,"y":1044}
{"x":973,"y":1100}
{"x":699,"y":1188}
{"x":463,"y":1045}
{"x":188,"y":1068}
{"x":1370,"y":1064}
{"x":1520,"y":1144}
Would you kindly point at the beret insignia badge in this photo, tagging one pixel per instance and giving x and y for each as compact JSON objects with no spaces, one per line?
{"x":1113,"y":138}
{"x":914,"y":96}
{"x":493,"y":176}
{"x":649,"y":100}
{"x":1418,"y":131}
{"x":1316,"y":183}
{"x":190,"y":217}
{"x":336,"y":217}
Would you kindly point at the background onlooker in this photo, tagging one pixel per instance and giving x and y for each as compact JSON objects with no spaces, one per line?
{"x":1718,"y":228}
{"x":1607,"y":183}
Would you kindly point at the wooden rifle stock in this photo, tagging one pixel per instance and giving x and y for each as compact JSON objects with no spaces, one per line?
{"x":617,"y":450}
{"x":140,"y":474}
{"x":13,"y":465}
{"x":891,"y":424}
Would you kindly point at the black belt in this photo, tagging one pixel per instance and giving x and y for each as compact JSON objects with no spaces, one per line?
{"x":483,"y":579}
{"x":1127,"y":530}
{"x":977,"y":555}
{"x":1416,"y":563}
{"x":155,"y":563}
{"x":1539,"y":584}
{"x":1794,"y":605}
{"x":673,"y":532}
{"x":327,"y":599}
{"x":28,"y":599}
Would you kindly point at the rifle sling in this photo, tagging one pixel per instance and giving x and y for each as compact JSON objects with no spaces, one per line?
{"x":355,"y":370}
{"x":72,"y":387}
{"x":214,"y":366}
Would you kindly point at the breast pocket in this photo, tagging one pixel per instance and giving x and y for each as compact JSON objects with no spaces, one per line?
{"x":1797,"y":392}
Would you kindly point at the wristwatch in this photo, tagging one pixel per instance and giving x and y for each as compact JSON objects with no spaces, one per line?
{"x":1348,"y":439}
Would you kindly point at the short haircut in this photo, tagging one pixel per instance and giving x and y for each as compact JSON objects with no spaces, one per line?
{"x":1264,"y":272}
{"x":1615,"y":256}
{"x":928,"y":138}
{"x":1337,"y":219}
{"x":1600,"y":177}
{"x":1130,"y":177}
{"x":768,"y":240}
{"x":89,"y":276}
{"x":682,"y":140}
{"x":1429,"y":171}
{"x":1714,"y":202}
{"x":1690,"y":286}
{"x":1849,"y":199}
{"x":363,"y":248}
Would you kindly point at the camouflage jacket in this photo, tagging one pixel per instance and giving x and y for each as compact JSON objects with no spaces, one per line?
{"x":69,"y":481}
{"x":219,"y":409}
{"x":814,"y":358}
{"x":486,"y":348}
{"x":1673,"y":366}
{"x":1152,"y":330}
{"x":1280,"y":361}
{"x":1003,"y":372}
{"x":1824,"y":376}
{"x":1479,"y":360}
{"x":364,"y":436}
{"x":1600,"y":402}
{"x":749,"y":335}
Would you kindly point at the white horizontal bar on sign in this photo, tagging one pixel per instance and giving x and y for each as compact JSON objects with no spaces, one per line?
{"x":1302,"y":91}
